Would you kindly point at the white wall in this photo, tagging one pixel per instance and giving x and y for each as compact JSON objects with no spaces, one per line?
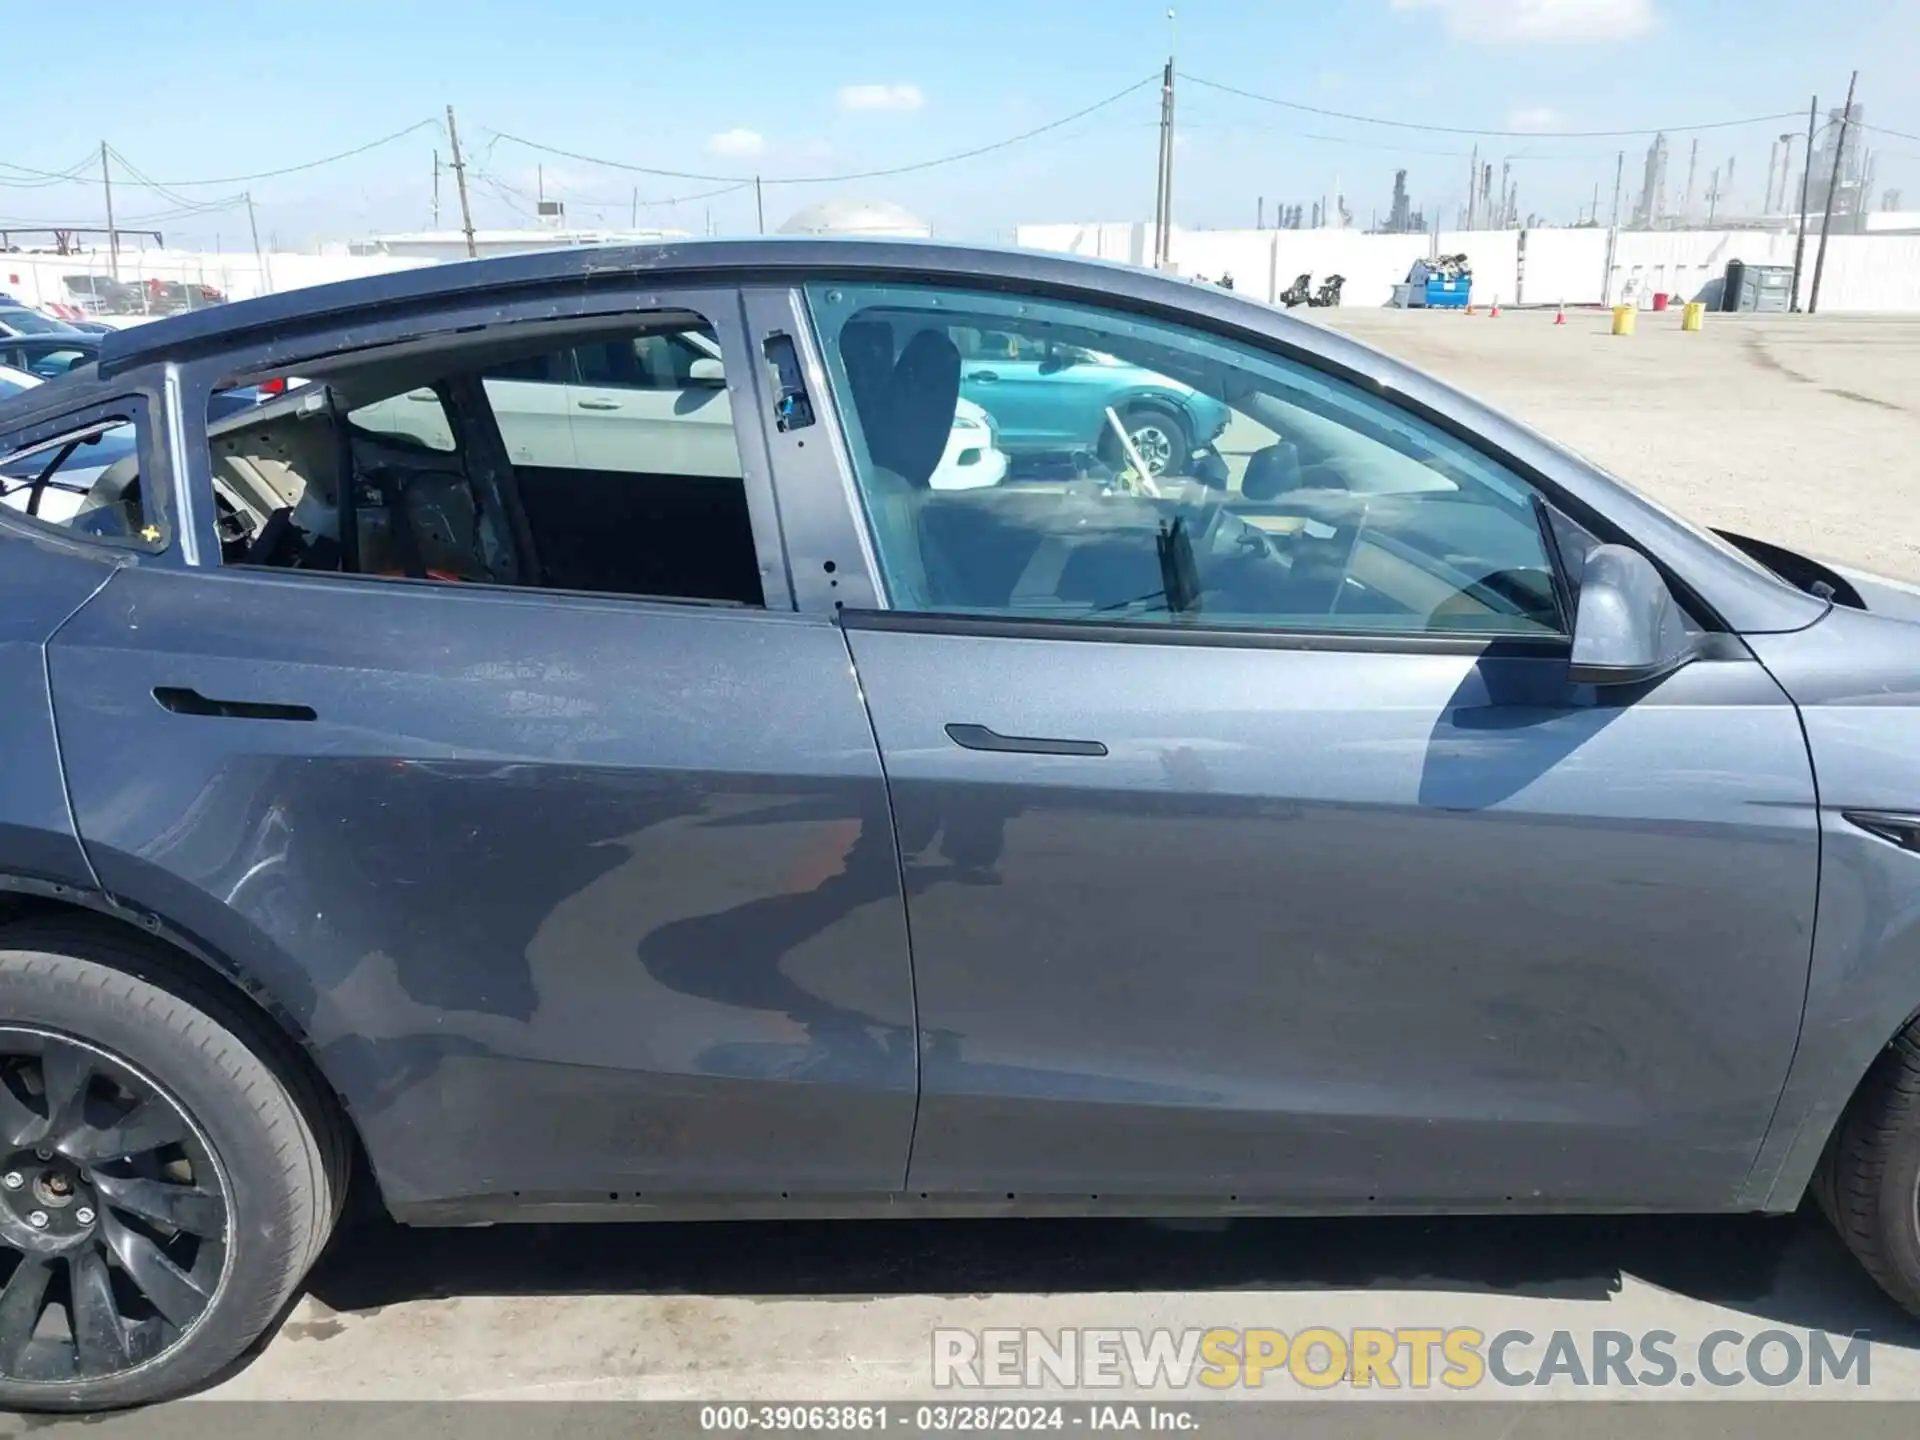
{"x":36,"y":278}
{"x":1864,"y":273}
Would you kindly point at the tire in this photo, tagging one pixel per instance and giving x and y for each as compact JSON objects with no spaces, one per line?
{"x":1175,"y":442}
{"x":238,"y":1118}
{"x":1868,"y":1182}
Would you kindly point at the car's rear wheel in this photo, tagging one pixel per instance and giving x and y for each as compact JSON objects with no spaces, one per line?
{"x":166,"y":1178}
{"x":1162,"y":440}
{"x":1869,"y":1178}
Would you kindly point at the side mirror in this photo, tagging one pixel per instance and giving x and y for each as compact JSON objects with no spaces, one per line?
{"x":707,"y":371}
{"x":1628,"y":629}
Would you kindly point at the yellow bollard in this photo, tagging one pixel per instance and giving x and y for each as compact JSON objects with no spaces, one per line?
{"x":1694,"y":316}
{"x":1623,"y":317}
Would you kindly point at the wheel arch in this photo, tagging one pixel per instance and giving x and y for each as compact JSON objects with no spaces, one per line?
{"x":26,"y":899}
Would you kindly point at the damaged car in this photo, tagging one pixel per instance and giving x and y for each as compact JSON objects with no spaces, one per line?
{"x":586,"y":753}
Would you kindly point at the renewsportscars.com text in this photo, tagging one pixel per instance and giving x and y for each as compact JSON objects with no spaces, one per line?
{"x":1410,"y":1358}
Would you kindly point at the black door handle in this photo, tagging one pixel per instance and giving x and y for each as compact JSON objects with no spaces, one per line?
{"x":979,"y":737}
{"x":182,"y":701}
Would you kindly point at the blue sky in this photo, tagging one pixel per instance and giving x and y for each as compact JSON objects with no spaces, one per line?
{"x":826,"y":87}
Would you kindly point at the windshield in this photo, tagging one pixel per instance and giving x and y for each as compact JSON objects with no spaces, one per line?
{"x":32,"y":322}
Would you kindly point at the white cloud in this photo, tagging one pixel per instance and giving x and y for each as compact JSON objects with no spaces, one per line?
{"x":1534,"y":117}
{"x":1520,"y":21}
{"x":737,"y":142}
{"x":881,"y":97}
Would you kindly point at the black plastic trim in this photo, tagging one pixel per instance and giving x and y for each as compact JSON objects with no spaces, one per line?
{"x":1544,"y":647}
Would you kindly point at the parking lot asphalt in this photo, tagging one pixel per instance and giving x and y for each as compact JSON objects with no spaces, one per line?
{"x":1804,"y":430}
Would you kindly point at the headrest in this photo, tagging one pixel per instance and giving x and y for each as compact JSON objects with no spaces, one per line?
{"x":1272,"y":472}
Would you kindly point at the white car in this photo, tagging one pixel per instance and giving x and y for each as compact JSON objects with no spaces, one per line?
{"x":973,"y":458}
{"x":662,"y":409}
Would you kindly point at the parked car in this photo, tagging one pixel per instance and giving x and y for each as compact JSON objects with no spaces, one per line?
{"x":102,"y":295}
{"x":1422,"y":820}
{"x":1047,"y":398}
{"x":49,"y":355}
{"x":19,"y":320}
{"x":13,"y":381}
{"x":662,"y":396}
{"x":170,"y":297}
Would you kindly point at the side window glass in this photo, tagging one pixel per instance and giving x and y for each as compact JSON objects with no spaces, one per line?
{"x":85,"y":477}
{"x":1142,"y":472}
{"x":493,"y":459}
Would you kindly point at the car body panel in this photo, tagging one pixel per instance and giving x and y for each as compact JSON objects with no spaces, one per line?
{"x":579,"y":898}
{"x":550,"y":917}
{"x":1417,"y":928}
{"x":43,"y":581}
{"x":1856,"y":678}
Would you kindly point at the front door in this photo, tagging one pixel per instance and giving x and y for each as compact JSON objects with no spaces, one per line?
{"x":1257,"y":846}
{"x":578,"y":897}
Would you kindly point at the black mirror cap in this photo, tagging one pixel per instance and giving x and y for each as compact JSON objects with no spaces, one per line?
{"x":1628,"y":629}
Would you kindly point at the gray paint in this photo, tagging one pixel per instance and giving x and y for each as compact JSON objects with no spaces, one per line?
{"x":583,"y":898}
{"x":1429,"y":929}
{"x":567,"y":894}
{"x":1628,"y":629}
{"x":1857,"y":678}
{"x":43,"y":580}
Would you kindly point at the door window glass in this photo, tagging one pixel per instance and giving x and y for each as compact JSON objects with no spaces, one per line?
{"x":497,"y":459}
{"x":1158,"y":475}
{"x":84,"y":477}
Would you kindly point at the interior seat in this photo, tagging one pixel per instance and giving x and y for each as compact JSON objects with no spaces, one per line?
{"x":906,"y":413}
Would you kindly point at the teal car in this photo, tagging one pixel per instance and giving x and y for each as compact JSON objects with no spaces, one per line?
{"x":1052,"y":399}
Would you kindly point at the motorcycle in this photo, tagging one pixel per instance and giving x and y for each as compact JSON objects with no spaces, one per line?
{"x":1329,"y":292}
{"x":1298,"y":293}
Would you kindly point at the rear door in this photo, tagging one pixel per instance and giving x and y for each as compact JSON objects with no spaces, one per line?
{"x":588,"y":898}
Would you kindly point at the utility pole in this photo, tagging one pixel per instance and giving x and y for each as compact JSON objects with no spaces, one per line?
{"x":1163,"y":180}
{"x":259,"y":256}
{"x":460,"y":180}
{"x":634,"y":223}
{"x":113,"y":236}
{"x":1806,"y":180}
{"x":1473,"y":186}
{"x":436,"y":187}
{"x":1260,"y":213}
{"x":1693,"y":161}
{"x":759,"y":206}
{"x":1713,"y":195}
{"x":1833,"y":184}
{"x":1613,"y":231}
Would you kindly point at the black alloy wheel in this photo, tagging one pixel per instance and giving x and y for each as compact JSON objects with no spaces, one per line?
{"x":113,"y":1210}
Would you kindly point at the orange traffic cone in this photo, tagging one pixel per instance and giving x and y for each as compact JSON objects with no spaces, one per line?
{"x":1560,"y":313}
{"x":1494,"y":313}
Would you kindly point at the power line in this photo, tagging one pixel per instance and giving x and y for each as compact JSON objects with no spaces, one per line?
{"x":45,"y":178}
{"x":293,"y":169}
{"x":954,"y":158}
{"x":603,"y":202}
{"x":1467,"y":130}
{"x":1883,"y":130}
